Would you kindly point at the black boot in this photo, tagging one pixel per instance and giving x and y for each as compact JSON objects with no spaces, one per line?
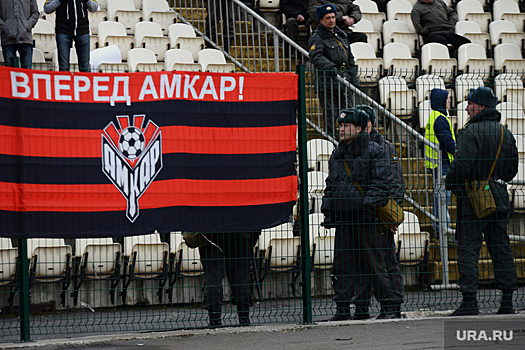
{"x":361,"y":313}
{"x":386,"y":312}
{"x":215,"y":319}
{"x":342,"y":312}
{"x":469,"y":306}
{"x":396,"y":310}
{"x":244,"y":318}
{"x":506,"y":304}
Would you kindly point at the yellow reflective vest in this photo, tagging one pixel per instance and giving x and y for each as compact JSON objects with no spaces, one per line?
{"x":431,"y":155}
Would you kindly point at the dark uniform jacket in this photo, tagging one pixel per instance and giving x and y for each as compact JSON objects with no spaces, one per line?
{"x":330,"y":53}
{"x":71,"y":15}
{"x":433,"y":18}
{"x":476,"y":150}
{"x":17,"y":18}
{"x":370,"y":168}
{"x":343,"y":7}
{"x":292,"y":8}
{"x":398,"y":182}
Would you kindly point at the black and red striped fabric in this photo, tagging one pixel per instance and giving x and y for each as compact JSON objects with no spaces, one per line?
{"x":227,"y":147}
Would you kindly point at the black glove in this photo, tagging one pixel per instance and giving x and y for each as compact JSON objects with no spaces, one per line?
{"x":329,"y":222}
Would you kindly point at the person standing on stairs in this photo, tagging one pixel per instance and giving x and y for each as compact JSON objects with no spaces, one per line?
{"x":485,"y":149}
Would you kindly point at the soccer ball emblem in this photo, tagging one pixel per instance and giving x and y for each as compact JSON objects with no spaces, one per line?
{"x":131,"y":142}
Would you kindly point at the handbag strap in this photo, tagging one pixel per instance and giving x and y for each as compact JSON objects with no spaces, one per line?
{"x":350,"y":175}
{"x":497,"y":154}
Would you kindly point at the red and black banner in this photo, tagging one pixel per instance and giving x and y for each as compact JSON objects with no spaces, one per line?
{"x":97,"y":155}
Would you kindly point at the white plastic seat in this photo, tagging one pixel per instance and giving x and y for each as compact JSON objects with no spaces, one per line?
{"x":38,"y":56}
{"x":107,"y":59}
{"x":95,"y":18}
{"x":321,"y":242}
{"x":425,"y":84}
{"x":284,"y":230}
{"x":125,"y":12}
{"x":399,"y":31}
{"x":369,"y":67}
{"x":370,"y":12}
{"x":100,"y":258}
{"x":462,"y":115}
{"x":472,"y":10}
{"x":472,"y":58}
{"x":282,"y":256}
{"x":520,"y":144}
{"x":400,"y":10}
{"x":318,"y":151}
{"x":396,"y":96}
{"x":472,"y":31}
{"x":424,"y":111}
{"x":114,"y":33}
{"x":373,"y":37}
{"x":399,"y":62}
{"x":508,"y":59}
{"x":143,"y":60}
{"x":464,"y":83}
{"x":147,"y":258}
{"x":50,"y":262}
{"x":517,"y":192}
{"x":413,"y":243}
{"x":8,"y":256}
{"x":159,"y":11}
{"x":509,"y":10}
{"x":316,"y":185}
{"x":43,"y":26}
{"x":149,"y":35}
{"x":180,"y":59}
{"x":44,"y":37}
{"x":505,"y":81}
{"x":182,"y":36}
{"x":509,"y":110}
{"x":213,"y":60}
{"x":505,"y":32}
{"x":435,"y":59}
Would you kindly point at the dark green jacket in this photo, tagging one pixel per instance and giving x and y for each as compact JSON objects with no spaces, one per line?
{"x":330,"y":53}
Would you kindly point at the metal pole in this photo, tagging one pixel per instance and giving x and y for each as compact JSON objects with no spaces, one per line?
{"x":303,"y":196}
{"x":23,"y":290}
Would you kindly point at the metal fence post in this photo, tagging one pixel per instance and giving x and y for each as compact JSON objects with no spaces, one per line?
{"x":23,"y":290}
{"x":303,"y":198}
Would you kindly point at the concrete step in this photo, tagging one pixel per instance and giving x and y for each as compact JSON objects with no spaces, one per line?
{"x":251,"y":51}
{"x":191,"y":14}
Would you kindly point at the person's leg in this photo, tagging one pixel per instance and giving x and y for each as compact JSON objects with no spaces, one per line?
{"x":64,"y":43}
{"x":355,"y":37}
{"x":212,"y":261}
{"x":9,"y":52}
{"x":82,"y":45}
{"x":498,"y":245}
{"x":394,"y":272}
{"x":437,"y":38}
{"x":26,"y":55}
{"x":456,"y":40}
{"x":343,"y":273}
{"x":470,"y":240}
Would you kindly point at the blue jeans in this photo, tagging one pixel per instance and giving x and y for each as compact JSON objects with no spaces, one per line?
{"x":25,"y":51}
{"x":82,"y":44}
{"x":435,"y":210}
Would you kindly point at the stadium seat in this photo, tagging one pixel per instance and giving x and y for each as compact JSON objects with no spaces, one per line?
{"x":103,"y":4}
{"x":398,"y":61}
{"x":143,"y":60}
{"x":369,"y":67}
{"x":38,"y":56}
{"x":464,"y":83}
{"x":435,"y":59}
{"x":284,"y":230}
{"x":44,"y":38}
{"x":321,"y":242}
{"x":95,"y":18}
{"x":517,"y":192}
{"x":99,"y":259}
{"x":8,"y":257}
{"x":137,"y":3}
{"x":508,"y":59}
{"x":509,"y":10}
{"x":114,"y":33}
{"x":425,"y":84}
{"x":510,"y":110}
{"x":50,"y":262}
{"x":370,"y":12}
{"x":182,"y":36}
{"x":318,"y":152}
{"x":505,"y":32}
{"x":148,"y":35}
{"x":146,"y":257}
{"x":159,"y":11}
{"x":400,"y":10}
{"x":396,"y":96}
{"x":373,"y":37}
{"x":213,"y":60}
{"x":316,"y":185}
{"x":520,"y":144}
{"x":398,"y":31}
{"x":505,"y":81}
{"x":472,"y":10}
{"x":462,"y":115}
{"x":108,"y":59}
{"x":125,"y":12}
{"x":472,"y":31}
{"x":180,"y":60}
{"x":424,"y":111}
{"x":472,"y":59}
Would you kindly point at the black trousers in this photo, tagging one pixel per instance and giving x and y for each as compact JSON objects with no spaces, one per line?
{"x":358,"y":258}
{"x":453,"y":39}
{"x":217,"y":11}
{"x":470,"y":239}
{"x":364,"y":291}
{"x":230,"y":255}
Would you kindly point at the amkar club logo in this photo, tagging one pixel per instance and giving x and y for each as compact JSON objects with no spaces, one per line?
{"x":131,"y":157}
